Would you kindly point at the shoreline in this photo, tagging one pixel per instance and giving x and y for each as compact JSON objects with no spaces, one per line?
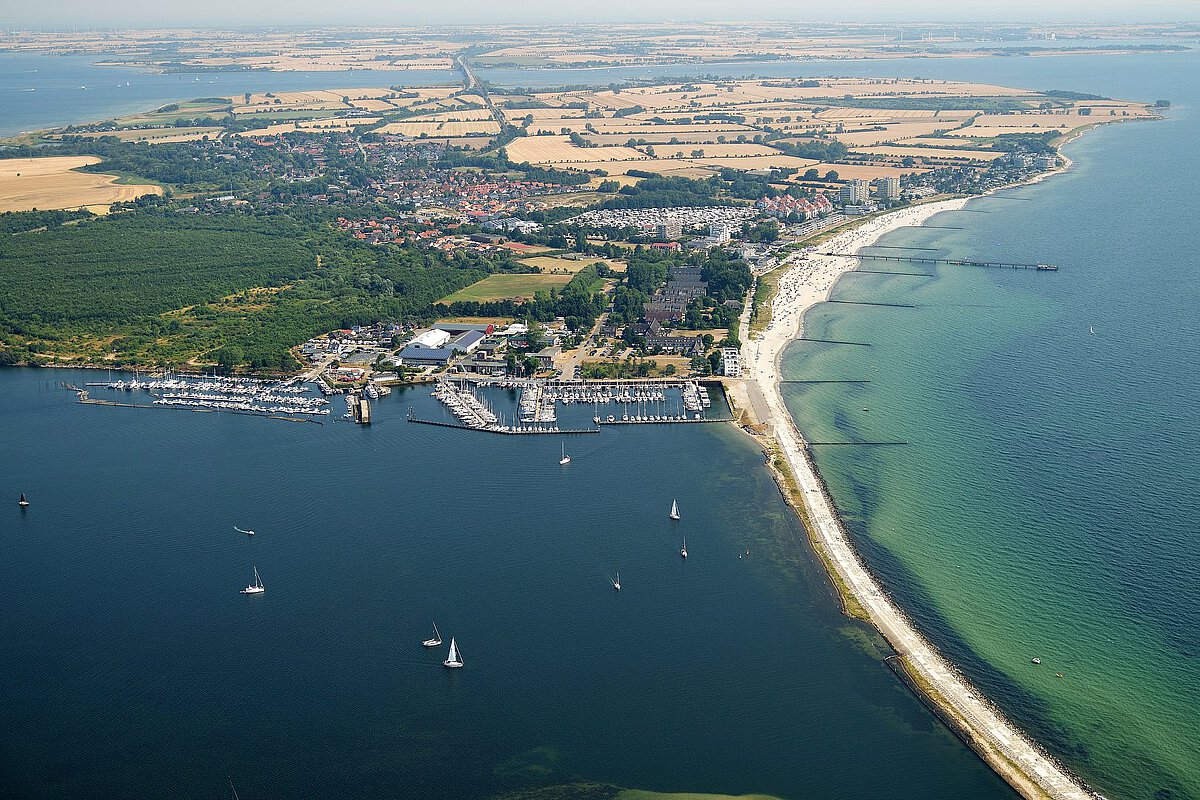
{"x":983,"y":727}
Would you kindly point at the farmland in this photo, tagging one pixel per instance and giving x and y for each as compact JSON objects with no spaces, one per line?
{"x":54,"y":183}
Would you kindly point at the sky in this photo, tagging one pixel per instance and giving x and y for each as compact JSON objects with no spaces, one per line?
{"x":222,"y":13}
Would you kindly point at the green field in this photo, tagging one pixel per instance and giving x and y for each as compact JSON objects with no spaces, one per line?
{"x":508,"y":287}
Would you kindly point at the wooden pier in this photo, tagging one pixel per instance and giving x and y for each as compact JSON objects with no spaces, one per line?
{"x":870,"y":303}
{"x":832,"y":341}
{"x":958,"y":262}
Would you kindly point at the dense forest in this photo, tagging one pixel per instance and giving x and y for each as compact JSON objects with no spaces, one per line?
{"x":160,"y":287}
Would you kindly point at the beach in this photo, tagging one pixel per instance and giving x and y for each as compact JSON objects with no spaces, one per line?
{"x":807,"y":282}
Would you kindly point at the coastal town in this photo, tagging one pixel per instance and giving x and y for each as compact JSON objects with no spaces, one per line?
{"x":551,"y":262}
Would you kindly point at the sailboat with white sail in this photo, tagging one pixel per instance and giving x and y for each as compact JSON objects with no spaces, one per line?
{"x":566,"y":459}
{"x":674,"y":510}
{"x":23,"y":502}
{"x":256,"y":587}
{"x":454,"y":658}
{"x":435,"y":640}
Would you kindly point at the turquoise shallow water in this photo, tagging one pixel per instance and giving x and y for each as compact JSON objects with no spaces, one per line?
{"x":1046,"y":504}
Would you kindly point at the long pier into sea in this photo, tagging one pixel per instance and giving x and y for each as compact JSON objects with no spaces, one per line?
{"x":959,"y":262}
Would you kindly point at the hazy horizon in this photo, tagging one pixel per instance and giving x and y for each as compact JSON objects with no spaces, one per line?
{"x":68,"y":14}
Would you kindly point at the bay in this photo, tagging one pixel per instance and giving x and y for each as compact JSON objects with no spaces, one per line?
{"x":132,"y":667}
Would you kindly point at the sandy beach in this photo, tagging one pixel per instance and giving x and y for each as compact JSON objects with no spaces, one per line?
{"x":806,"y":282}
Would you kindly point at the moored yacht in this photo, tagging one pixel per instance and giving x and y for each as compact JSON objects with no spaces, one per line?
{"x":256,"y":587}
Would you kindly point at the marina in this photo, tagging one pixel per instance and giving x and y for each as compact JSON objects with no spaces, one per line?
{"x":537,"y":404}
{"x":280,"y":399}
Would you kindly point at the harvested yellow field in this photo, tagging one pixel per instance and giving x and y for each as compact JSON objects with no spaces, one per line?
{"x":156,"y":135}
{"x":931,"y":152}
{"x":881,"y":115}
{"x":51,"y":183}
{"x":656,"y":139}
{"x":373,"y":105}
{"x":893,"y":133}
{"x":415,"y":129}
{"x":559,"y":150}
{"x":713,"y":150}
{"x":689,"y":167}
{"x":457,"y":115}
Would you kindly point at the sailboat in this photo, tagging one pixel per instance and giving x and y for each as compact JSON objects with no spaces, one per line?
{"x":674,"y":510}
{"x":435,"y":640}
{"x":454,"y":658}
{"x":617,"y":582}
{"x":239,"y":530}
{"x":1092,"y":330}
{"x":256,"y":587}
{"x":23,"y":503}
{"x":683,"y":550}
{"x":566,"y":459}
{"x":233,"y":790}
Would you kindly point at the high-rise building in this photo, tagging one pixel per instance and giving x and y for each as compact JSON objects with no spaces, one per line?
{"x":855,"y":192}
{"x":668,"y":229}
{"x":887,"y":188}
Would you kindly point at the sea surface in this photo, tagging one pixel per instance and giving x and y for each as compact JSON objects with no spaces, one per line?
{"x":42,"y":91}
{"x":132,"y":667}
{"x":1044,"y":507}
{"x":1046,"y":502}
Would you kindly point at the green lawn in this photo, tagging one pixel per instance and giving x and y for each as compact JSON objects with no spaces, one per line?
{"x":508,"y":287}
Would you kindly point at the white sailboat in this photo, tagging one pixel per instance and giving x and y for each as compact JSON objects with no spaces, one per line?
{"x":435,"y":640}
{"x":674,"y":510}
{"x":23,"y":503}
{"x":454,"y":658}
{"x":239,"y":530}
{"x":256,"y":587}
{"x":617,"y":582}
{"x":566,"y":459}
{"x":683,"y":550}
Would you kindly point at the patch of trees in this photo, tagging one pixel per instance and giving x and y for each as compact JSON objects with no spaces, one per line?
{"x":22,"y":221}
{"x":819,"y":149}
{"x":164,"y":288}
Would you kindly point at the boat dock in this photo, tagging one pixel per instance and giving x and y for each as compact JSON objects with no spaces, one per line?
{"x":660,"y":420}
{"x":953,"y":261}
{"x":506,"y":430}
